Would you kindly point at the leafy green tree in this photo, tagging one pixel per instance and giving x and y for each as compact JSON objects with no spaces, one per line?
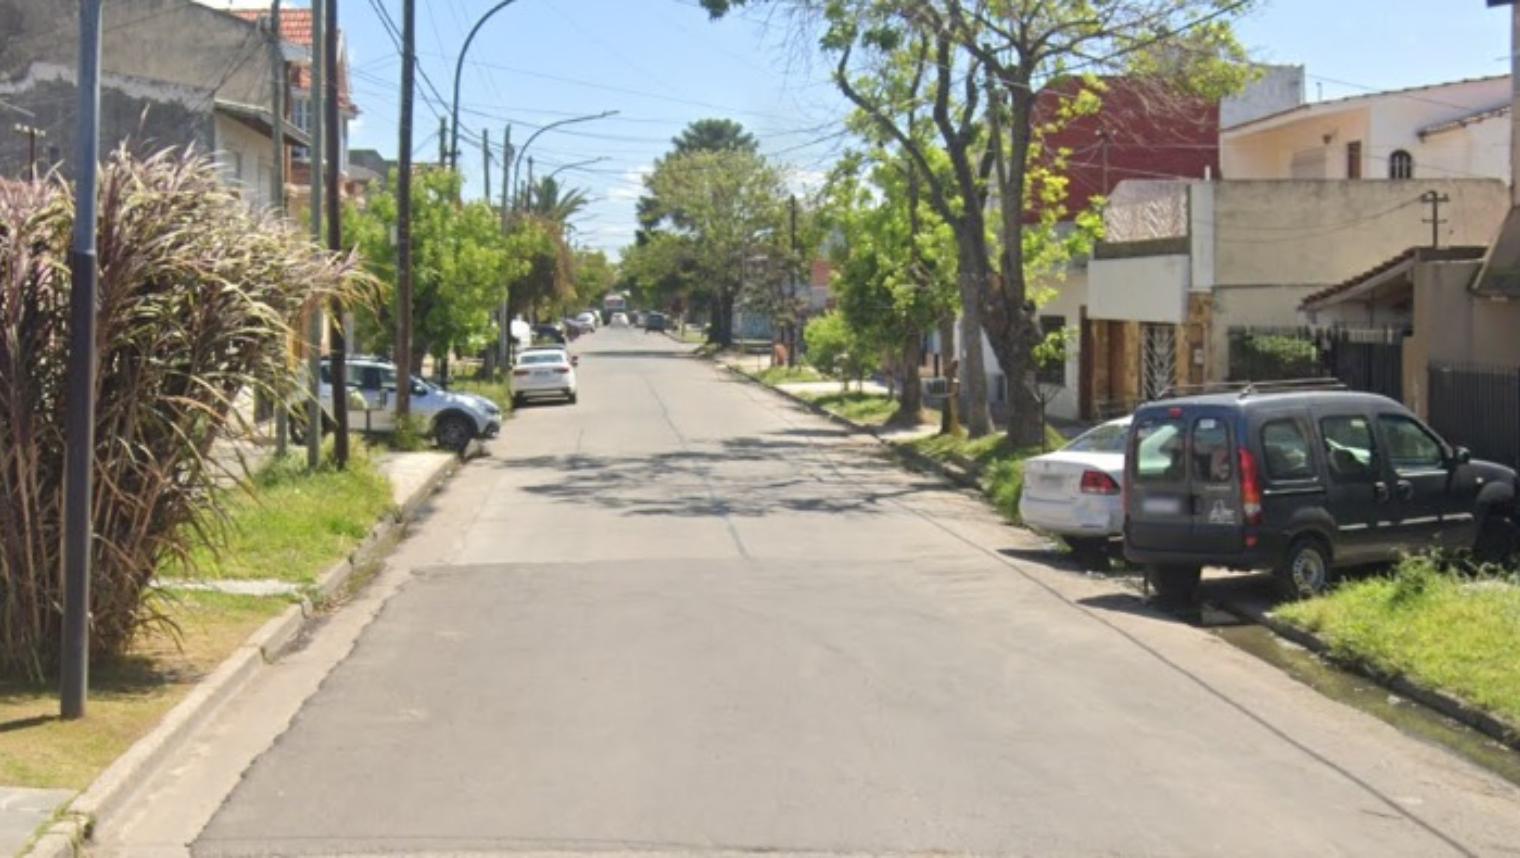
{"x":731,"y":207}
{"x":703,"y":135}
{"x":462,"y":265}
{"x":594,"y":276}
{"x":840,"y":349}
{"x":548,"y":199}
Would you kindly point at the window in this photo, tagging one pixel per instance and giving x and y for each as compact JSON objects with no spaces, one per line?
{"x":1349,"y":449}
{"x":1108,"y":438}
{"x":369,"y":378}
{"x":1211,"y":451}
{"x":1287,"y":451}
{"x":1158,"y":451}
{"x":1400,"y":165}
{"x":1354,"y":159}
{"x":1410,"y":447}
{"x":1052,"y":371}
{"x":300,"y":117}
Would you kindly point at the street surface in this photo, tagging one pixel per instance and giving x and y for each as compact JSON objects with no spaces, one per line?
{"x":686,"y":615}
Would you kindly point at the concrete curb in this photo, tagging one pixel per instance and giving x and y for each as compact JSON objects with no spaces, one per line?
{"x":1494,"y":728}
{"x":967,"y":478}
{"x":1452,"y":707}
{"x":69,"y":834}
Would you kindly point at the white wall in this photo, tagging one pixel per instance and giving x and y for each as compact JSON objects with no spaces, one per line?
{"x":1279,"y":88}
{"x":244,"y":156}
{"x":1269,"y":153}
{"x":1139,"y":288}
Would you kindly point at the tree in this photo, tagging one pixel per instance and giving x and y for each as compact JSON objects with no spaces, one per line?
{"x":594,"y":276}
{"x":703,"y":135}
{"x":839,"y":349}
{"x":988,"y":61}
{"x":462,"y":265}
{"x":730,"y":210}
{"x":548,"y":199}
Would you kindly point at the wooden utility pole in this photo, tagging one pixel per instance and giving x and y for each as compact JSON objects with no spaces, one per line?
{"x":443,"y":141}
{"x":485,"y":157}
{"x":314,"y":155}
{"x":277,"y":185}
{"x":1434,"y":200}
{"x":337,"y":360}
{"x":404,"y":214}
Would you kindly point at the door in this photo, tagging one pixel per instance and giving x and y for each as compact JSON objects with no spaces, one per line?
{"x":1428,"y":512}
{"x":1215,"y":493}
{"x":377,"y":386}
{"x":1160,"y":507}
{"x":1158,"y":359}
{"x":1357,"y":494}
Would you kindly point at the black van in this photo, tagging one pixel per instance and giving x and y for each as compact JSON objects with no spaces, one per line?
{"x":1301,"y":482}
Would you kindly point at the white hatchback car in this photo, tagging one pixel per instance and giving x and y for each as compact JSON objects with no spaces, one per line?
{"x":619,"y":320}
{"x":543,"y":372}
{"x":1076,"y":492}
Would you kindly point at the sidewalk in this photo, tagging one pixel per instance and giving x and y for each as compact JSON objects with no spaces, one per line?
{"x":24,"y":812}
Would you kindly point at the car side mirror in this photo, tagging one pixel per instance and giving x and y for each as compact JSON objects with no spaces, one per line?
{"x":1461,"y":456}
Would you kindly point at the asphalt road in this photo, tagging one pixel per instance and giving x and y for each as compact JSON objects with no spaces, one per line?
{"x":686,"y":615}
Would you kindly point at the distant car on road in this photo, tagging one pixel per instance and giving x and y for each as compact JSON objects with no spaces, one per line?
{"x":548,"y":333}
{"x":544,"y":372}
{"x":590,"y":319}
{"x":654,"y":322}
{"x":453,"y":419}
{"x":1300,"y":481}
{"x":1074,"y":493}
{"x":619,"y":320}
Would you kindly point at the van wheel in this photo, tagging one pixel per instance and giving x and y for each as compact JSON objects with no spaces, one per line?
{"x":1305,"y":569}
{"x":1498,"y":539}
{"x":1175,"y":584}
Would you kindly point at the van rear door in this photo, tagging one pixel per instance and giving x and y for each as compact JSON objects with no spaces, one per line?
{"x":1159,"y":509}
{"x":1215,"y":494}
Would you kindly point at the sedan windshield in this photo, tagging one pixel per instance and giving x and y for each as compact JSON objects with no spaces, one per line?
{"x":1108,"y":438}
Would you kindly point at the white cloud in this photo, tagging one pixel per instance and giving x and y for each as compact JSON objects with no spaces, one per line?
{"x":630,"y":186}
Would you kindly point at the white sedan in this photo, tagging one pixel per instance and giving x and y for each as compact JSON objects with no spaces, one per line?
{"x":1076,"y":492}
{"x":543,"y":372}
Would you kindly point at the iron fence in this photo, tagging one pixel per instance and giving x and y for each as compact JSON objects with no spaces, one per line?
{"x":1477,"y":407}
{"x":1370,"y":359}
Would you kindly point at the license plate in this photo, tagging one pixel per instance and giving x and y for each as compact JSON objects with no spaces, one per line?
{"x":1161,"y":506}
{"x":1052,"y":481}
{"x":540,"y":374}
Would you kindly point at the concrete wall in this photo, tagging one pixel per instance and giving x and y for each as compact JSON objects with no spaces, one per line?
{"x":1279,"y":88}
{"x":1321,"y":233}
{"x":1452,"y":325}
{"x":246,"y":160}
{"x":1383,"y":124}
{"x":1140,"y":288}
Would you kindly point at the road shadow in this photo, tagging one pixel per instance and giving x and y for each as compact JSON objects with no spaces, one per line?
{"x":721,"y":480}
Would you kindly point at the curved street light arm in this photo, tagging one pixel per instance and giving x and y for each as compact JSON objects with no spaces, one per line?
{"x":517,"y":164}
{"x":458,"y":69}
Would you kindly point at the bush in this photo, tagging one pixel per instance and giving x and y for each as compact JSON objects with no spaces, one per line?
{"x":837,"y":349}
{"x":1266,"y":357}
{"x":197,"y":297}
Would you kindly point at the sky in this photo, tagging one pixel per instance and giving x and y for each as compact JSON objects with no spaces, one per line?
{"x":662,"y":64}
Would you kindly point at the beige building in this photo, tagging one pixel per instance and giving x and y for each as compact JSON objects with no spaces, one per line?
{"x":1442,"y":131}
{"x":1186,"y":261}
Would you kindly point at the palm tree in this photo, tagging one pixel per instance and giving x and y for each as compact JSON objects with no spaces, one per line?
{"x":548,"y":200}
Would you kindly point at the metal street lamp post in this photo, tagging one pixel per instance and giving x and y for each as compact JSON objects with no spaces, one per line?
{"x":458,"y":70}
{"x":517,"y":164}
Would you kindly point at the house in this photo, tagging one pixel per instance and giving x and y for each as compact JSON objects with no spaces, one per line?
{"x":1459,"y":129}
{"x":1140,"y":133}
{"x":1184,"y":263}
{"x":212,"y":90}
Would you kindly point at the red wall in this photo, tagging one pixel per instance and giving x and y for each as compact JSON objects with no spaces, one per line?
{"x":1150,"y":135}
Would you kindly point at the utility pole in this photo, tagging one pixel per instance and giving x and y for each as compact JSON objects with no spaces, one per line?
{"x":792,"y":277}
{"x":79,"y":438}
{"x":315,"y":153}
{"x":504,"y":344}
{"x":335,"y":234}
{"x":528,"y":194}
{"x":443,"y":141}
{"x":1434,"y":200}
{"x":485,"y":155}
{"x":404,"y":215}
{"x":32,"y":133}
{"x":277,"y":191}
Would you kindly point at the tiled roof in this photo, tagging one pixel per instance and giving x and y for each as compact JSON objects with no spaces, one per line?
{"x":1422,"y":254}
{"x":295,"y":24}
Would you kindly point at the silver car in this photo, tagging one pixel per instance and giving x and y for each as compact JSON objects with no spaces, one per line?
{"x":453,"y":419}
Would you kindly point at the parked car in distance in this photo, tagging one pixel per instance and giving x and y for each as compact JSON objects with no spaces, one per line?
{"x":453,"y":419}
{"x":590,"y":318}
{"x":1301,"y":482}
{"x":654,"y":322}
{"x":1074,"y":493}
{"x":576,"y":328}
{"x":548,"y":333}
{"x":619,"y":320}
{"x":544,"y":372}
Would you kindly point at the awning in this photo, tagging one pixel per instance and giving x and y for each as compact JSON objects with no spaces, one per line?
{"x":1366,"y":285}
{"x":261,"y":120}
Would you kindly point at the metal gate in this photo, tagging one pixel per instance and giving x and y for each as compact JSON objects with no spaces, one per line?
{"x":1370,"y":359}
{"x":1158,"y":359}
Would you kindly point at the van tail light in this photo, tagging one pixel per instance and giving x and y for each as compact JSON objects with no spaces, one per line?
{"x":1250,"y":487}
{"x":1098,"y":483}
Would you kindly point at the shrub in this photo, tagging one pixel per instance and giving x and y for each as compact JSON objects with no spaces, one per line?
{"x":1277,"y":356}
{"x":197,"y":297}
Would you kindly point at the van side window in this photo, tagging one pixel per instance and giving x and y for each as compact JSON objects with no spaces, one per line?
{"x":1286,"y":451}
{"x":1211,"y":451}
{"x":1158,"y":451}
{"x":1410,"y":447}
{"x":1349,"y":449}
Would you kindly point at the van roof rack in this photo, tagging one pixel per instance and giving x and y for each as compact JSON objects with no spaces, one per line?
{"x":1249,"y":388}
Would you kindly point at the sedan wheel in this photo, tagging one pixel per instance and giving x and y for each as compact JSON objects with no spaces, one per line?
{"x":454,"y":433}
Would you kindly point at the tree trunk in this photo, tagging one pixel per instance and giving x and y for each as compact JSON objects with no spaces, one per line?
{"x":912,"y":397}
{"x":973,"y":370}
{"x":950,"y":420}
